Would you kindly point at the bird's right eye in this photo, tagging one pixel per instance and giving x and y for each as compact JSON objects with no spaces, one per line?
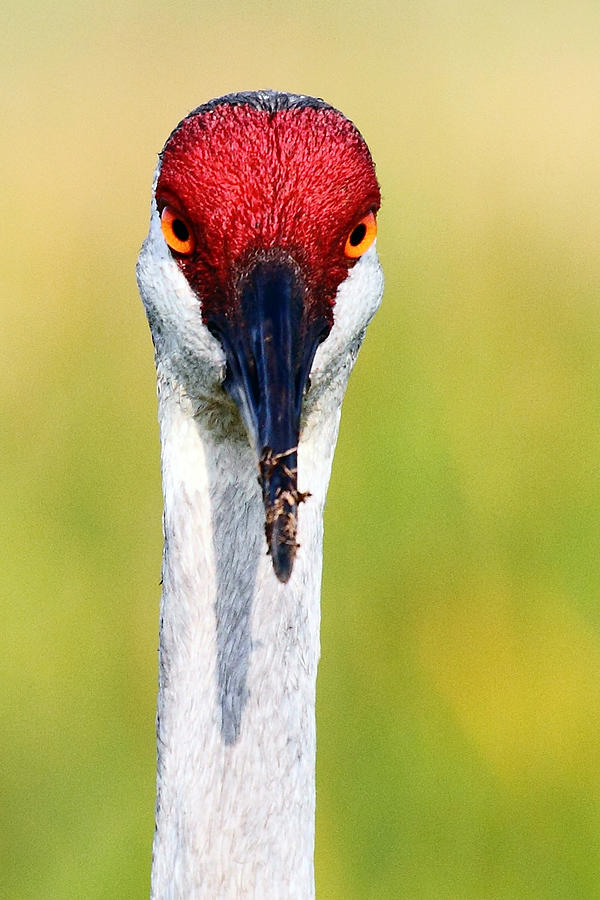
{"x":176,"y":231}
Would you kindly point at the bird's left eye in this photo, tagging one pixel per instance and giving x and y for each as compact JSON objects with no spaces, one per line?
{"x":176,"y":231}
{"x":361,"y":237}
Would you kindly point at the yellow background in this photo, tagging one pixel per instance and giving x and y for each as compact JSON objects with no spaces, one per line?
{"x":459,"y":690}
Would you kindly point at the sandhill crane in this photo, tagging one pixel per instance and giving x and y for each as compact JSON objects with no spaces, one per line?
{"x":259,"y":276}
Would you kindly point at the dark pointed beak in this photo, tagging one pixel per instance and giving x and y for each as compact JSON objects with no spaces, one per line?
{"x":270,"y":348}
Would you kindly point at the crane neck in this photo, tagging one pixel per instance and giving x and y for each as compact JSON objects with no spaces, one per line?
{"x":237,"y":665}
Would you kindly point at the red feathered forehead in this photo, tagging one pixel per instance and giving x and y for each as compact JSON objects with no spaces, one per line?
{"x":249,"y":180}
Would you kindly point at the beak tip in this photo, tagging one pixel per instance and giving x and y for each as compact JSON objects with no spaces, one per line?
{"x":283,"y":563}
{"x":281,"y":537}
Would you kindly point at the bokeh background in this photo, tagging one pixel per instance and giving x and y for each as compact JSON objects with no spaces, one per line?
{"x":459,"y":689}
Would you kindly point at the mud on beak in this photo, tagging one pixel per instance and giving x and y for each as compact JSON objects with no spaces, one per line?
{"x":270,"y":348}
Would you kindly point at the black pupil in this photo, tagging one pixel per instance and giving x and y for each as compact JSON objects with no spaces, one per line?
{"x":180,"y":230}
{"x":358,"y":235}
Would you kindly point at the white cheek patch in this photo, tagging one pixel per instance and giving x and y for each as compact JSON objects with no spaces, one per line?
{"x":186,"y":347}
{"x":356,"y":303}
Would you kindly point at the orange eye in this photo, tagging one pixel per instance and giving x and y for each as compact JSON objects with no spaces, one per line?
{"x":361,"y":237}
{"x":176,"y":231}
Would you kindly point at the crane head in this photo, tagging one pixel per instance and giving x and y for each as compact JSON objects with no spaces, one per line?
{"x":261,"y":256}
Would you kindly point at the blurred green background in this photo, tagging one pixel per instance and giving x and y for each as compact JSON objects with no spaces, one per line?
{"x":459,"y":689}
